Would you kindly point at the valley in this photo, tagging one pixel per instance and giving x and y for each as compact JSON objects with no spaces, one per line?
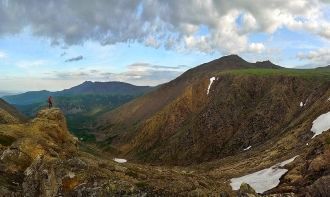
{"x":225,"y":128}
{"x":81,"y":104}
{"x":164,"y":98}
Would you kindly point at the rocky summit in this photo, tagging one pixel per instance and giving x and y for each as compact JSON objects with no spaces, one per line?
{"x":225,"y":128}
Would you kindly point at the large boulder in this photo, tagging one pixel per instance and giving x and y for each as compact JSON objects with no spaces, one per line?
{"x":246,"y":190}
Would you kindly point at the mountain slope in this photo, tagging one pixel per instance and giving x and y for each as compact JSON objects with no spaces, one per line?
{"x":150,"y":103}
{"x":41,"y":158}
{"x":198,"y":127}
{"x":223,"y":126}
{"x":10,"y":113}
{"x":247,"y":105}
{"x":28,"y":97}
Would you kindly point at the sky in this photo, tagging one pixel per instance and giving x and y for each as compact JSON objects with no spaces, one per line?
{"x":57,"y":44}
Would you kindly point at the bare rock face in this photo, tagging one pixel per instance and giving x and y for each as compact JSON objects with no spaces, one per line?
{"x":40,"y":179}
{"x":309,"y":174}
{"x":34,"y":151}
{"x":52,"y":125}
{"x":321,"y":187}
{"x":45,"y":136}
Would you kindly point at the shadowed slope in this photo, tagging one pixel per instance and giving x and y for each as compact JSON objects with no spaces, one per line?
{"x":10,"y":113}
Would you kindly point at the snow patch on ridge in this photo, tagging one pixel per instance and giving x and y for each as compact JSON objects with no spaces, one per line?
{"x":211,"y":81}
{"x":321,"y":124}
{"x":247,"y":148}
{"x":120,"y":160}
{"x":262,"y":180}
{"x":302,"y":104}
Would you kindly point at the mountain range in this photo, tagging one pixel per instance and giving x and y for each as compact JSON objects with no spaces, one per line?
{"x":88,"y":87}
{"x":81,"y":103}
{"x":225,"y":128}
{"x":225,"y":112}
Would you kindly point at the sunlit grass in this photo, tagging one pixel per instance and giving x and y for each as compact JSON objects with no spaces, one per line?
{"x":320,"y":73}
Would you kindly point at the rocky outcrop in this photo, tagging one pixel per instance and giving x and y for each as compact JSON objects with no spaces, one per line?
{"x":309,"y":175}
{"x":321,"y":187}
{"x":34,"y":149}
{"x":246,"y":190}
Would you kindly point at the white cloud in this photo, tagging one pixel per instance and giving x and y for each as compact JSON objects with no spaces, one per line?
{"x":197,"y":42}
{"x":256,"y":47}
{"x":152,"y":42}
{"x":319,"y":57}
{"x":172,"y":24}
{"x":138,"y":73}
{"x":249,"y":23}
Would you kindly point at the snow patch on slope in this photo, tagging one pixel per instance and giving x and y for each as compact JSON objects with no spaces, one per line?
{"x":321,"y":124}
{"x":247,"y":148}
{"x":262,"y":180}
{"x":120,"y":160}
{"x":211,"y":81}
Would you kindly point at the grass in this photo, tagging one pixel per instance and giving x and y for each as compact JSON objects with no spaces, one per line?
{"x":319,"y":74}
{"x":132,"y":174}
{"x":327,"y":140}
{"x":141,"y":185}
{"x":6,"y":140}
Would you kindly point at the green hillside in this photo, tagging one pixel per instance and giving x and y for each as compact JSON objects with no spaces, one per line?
{"x":318,"y":74}
{"x":80,"y":110}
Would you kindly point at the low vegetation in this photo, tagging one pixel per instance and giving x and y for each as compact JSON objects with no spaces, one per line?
{"x":318,"y":74}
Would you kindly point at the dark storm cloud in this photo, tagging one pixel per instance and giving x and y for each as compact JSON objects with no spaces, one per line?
{"x":74,"y":59}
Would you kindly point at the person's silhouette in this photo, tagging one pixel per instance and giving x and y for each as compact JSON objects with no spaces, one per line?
{"x":50,"y":102}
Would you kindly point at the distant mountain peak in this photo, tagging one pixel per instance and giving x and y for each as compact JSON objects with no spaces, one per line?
{"x":324,"y":67}
{"x":267,"y":64}
{"x":114,"y":87}
{"x":265,"y":61}
{"x":231,"y":58}
{"x":87,"y":83}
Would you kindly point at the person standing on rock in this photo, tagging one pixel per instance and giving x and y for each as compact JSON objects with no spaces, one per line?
{"x":50,"y":102}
